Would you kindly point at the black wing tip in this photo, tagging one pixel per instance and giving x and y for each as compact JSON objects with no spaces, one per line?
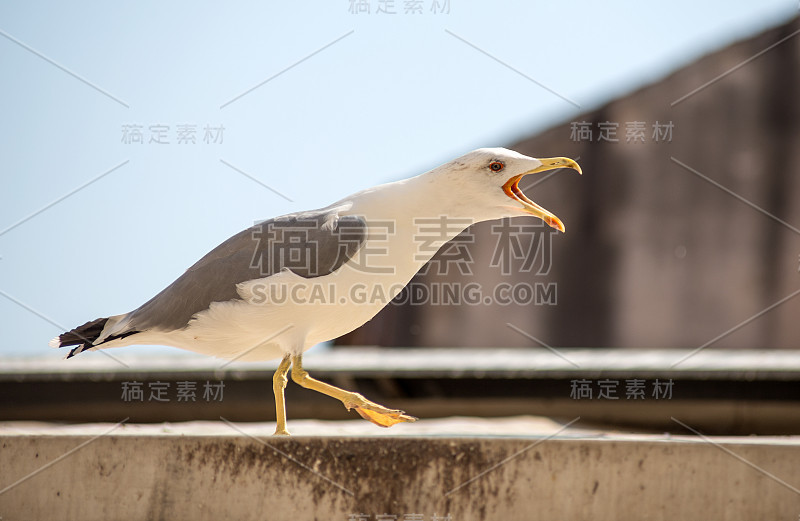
{"x":75,"y":351}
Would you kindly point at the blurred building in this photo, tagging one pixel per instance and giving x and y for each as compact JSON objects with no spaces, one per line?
{"x":684,"y":230}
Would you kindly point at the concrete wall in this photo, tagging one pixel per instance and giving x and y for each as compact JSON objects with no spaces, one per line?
{"x":238,"y":477}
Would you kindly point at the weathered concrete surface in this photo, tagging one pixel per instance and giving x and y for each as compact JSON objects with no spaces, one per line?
{"x":242,"y":477}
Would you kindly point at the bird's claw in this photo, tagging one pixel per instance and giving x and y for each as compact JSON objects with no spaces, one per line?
{"x":385,"y":417}
{"x":377,"y":414}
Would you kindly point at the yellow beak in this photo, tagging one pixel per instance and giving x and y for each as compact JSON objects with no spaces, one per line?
{"x":512,"y":190}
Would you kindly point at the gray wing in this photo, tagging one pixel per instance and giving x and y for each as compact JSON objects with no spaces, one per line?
{"x":310,"y":244}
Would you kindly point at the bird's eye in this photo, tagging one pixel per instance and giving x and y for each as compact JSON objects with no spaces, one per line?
{"x":496,"y":166}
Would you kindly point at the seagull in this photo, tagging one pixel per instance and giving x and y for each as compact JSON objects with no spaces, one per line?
{"x":286,"y":284}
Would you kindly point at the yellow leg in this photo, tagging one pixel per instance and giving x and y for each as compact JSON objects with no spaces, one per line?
{"x":377,"y":414}
{"x":279,"y":382}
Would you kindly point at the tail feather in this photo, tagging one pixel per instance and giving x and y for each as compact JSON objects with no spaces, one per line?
{"x":84,"y":336}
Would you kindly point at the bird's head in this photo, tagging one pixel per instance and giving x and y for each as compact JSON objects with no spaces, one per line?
{"x":487,"y":180}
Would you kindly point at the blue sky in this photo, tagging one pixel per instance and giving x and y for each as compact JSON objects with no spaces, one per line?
{"x":352,"y":100}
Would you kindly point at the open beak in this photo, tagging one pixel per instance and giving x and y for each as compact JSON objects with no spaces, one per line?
{"x":512,"y":190}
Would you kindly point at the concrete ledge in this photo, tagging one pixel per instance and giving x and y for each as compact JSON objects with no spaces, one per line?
{"x":240,"y":476}
{"x":716,"y":391}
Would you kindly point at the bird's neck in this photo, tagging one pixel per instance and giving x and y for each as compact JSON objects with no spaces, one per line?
{"x":412,"y":202}
{"x":410,"y":219}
